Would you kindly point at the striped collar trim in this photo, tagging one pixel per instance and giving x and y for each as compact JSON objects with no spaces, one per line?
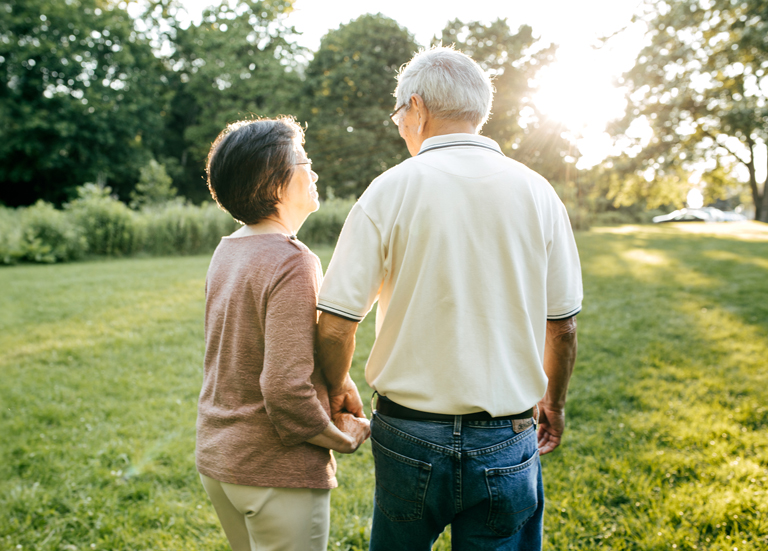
{"x":462,"y":143}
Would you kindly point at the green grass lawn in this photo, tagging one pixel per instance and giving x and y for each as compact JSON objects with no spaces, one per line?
{"x":666,"y":445}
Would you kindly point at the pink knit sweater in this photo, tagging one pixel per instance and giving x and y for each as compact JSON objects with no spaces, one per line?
{"x":261,"y":398}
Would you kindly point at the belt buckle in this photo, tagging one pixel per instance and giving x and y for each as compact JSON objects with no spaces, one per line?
{"x":519,"y":425}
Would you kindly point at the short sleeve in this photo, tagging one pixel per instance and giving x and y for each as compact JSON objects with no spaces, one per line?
{"x":564,"y":287}
{"x":290,"y":397}
{"x":357,"y":269}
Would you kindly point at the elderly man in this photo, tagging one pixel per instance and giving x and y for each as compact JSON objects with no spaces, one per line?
{"x":472,"y":260}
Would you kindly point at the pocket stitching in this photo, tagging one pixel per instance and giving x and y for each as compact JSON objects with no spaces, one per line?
{"x":403,"y":459}
{"x":507,"y":470}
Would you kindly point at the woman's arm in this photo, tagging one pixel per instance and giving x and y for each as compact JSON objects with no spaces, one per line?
{"x":286,"y":381}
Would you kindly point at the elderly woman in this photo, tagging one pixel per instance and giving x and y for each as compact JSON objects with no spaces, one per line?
{"x":264,"y":431}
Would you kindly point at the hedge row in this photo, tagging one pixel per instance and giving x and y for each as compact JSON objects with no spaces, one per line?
{"x":97,"y":224}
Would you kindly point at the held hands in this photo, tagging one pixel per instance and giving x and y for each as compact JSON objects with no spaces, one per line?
{"x":346,"y":399}
{"x":551,"y":427}
{"x":348,"y":416}
{"x":356,"y":429}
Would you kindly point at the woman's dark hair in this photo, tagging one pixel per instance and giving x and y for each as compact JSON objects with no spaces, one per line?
{"x":249,"y":165}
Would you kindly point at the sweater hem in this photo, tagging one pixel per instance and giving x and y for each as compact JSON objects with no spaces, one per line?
{"x":266,"y":482}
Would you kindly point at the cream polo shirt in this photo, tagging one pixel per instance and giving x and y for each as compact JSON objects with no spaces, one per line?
{"x":468,"y":253}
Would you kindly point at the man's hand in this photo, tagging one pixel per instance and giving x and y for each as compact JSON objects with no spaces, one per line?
{"x":357,"y":429}
{"x":551,"y":427}
{"x":346,"y":399}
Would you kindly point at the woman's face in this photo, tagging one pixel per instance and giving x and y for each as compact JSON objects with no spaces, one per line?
{"x":301,"y":193}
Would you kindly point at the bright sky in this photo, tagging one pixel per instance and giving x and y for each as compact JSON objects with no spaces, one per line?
{"x":578,"y":89}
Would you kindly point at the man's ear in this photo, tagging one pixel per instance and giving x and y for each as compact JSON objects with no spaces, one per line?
{"x":421,"y":112}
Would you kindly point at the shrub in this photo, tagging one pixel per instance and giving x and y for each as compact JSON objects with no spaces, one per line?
{"x":324,"y":226}
{"x":98,"y":224}
{"x":50,"y":235}
{"x":11,"y":247}
{"x":109,"y":226}
{"x":179,"y":228}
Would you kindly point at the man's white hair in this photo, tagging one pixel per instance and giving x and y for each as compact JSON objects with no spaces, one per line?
{"x":452,"y":85}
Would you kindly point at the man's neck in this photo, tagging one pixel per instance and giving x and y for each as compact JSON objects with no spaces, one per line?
{"x":438,"y":127}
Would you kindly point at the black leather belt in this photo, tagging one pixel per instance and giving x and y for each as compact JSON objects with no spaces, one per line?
{"x":385,"y":406}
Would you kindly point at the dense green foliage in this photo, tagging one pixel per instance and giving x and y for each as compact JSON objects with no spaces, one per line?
{"x":86,"y":96}
{"x":666,"y":443}
{"x":81,"y":98}
{"x":348,"y":91}
{"x":235,"y":64}
{"x":92,"y":95}
{"x":701,"y":85}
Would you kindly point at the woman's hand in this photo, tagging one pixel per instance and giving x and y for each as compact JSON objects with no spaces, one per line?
{"x":356,"y":428}
{"x":344,"y":435}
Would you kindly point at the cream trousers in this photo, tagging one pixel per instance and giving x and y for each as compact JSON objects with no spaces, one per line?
{"x":271,"y":519}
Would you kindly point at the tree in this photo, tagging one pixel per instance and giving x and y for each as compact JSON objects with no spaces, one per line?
{"x":701,"y":85}
{"x":513,"y":59}
{"x":346,"y":99}
{"x":81,"y":98}
{"x":154,"y":186}
{"x":237,"y":63}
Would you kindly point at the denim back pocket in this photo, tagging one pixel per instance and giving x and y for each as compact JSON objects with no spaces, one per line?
{"x":401,"y":484}
{"x":514,"y":495}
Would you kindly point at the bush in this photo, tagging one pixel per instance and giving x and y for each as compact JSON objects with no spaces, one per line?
{"x":179,"y":228}
{"x":109,"y":226}
{"x":51,"y":235}
{"x":324,"y":226}
{"x":11,"y":247}
{"x":98,"y":224}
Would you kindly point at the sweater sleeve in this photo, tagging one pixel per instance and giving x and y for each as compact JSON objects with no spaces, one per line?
{"x":290,"y":397}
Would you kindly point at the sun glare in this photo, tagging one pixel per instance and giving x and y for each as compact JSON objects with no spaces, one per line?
{"x":578,"y":90}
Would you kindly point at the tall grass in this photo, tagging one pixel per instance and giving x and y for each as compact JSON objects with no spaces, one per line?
{"x":96,"y":224}
{"x":667,"y":432}
{"x":324,"y":226}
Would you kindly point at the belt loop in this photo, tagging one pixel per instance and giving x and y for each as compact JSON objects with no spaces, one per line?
{"x":457,"y":425}
{"x":372,"y":397}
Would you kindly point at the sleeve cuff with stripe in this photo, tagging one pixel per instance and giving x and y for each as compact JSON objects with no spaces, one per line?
{"x":566,"y":315}
{"x":340,"y":311}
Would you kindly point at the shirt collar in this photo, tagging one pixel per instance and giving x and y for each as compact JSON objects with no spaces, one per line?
{"x":459,"y":140}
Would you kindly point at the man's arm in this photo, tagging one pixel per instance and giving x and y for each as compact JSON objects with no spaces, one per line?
{"x":559,"y":358}
{"x":335,"y":346}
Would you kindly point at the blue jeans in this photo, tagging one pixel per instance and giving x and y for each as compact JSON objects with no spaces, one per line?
{"x":478,"y":476}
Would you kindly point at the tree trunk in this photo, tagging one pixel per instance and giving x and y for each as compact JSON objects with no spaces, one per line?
{"x":764,"y":207}
{"x":760,"y":212}
{"x":763,"y":210}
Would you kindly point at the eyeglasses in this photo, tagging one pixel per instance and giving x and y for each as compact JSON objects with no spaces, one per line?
{"x":393,"y":115}
{"x":307,"y":162}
